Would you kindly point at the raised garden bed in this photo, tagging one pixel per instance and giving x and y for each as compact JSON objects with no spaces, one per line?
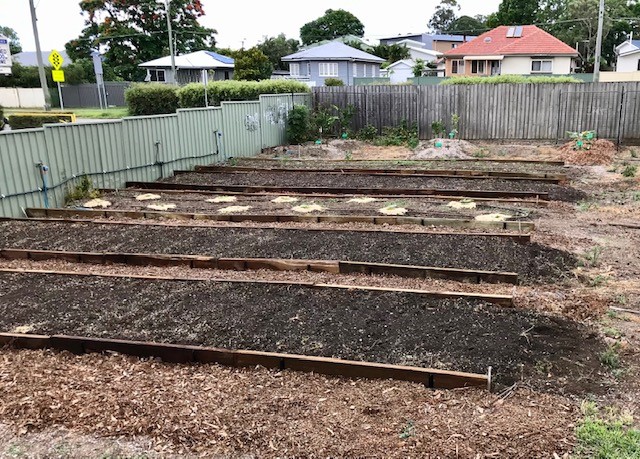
{"x":469,"y":251}
{"x":318,"y":180}
{"x":265,"y":205}
{"x":389,"y":327}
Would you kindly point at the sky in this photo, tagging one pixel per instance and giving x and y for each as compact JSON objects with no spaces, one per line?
{"x":236,"y":21}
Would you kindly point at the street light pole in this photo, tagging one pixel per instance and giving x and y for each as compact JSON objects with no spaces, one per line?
{"x":43,"y":77}
{"x":596,"y":69}
{"x":171,"y":51}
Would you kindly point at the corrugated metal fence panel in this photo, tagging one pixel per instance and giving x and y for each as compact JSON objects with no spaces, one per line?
{"x":241,"y":135}
{"x":275,"y":111}
{"x":199,"y":131}
{"x":89,"y":149}
{"x":20,"y":151}
{"x":147,"y":140}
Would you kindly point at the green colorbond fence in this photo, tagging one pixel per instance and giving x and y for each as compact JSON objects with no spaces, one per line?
{"x":134,"y":149}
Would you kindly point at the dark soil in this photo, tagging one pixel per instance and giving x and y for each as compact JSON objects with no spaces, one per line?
{"x":399,"y":328}
{"x":314,"y":179}
{"x":263,"y":205}
{"x":532,"y":261}
{"x":292,"y":163}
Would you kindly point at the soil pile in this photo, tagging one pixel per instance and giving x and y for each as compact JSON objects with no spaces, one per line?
{"x":601,"y":151}
{"x":444,"y":148}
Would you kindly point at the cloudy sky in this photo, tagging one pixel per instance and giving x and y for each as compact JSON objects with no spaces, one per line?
{"x":250,"y":20}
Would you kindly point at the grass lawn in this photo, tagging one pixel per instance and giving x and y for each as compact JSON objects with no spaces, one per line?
{"x":96,"y":113}
{"x":607,"y":435}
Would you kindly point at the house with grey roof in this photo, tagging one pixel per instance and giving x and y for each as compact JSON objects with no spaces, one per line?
{"x":191,"y":68}
{"x":628,"y":54}
{"x":436,"y":42}
{"x":332,"y":60}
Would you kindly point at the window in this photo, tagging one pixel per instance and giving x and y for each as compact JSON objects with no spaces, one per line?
{"x":294,"y":70}
{"x":477,"y":67}
{"x":328,"y":69}
{"x":638,"y":65}
{"x":355,"y":70}
{"x":541,"y":66}
{"x":156,"y":75}
{"x":457,"y":67}
{"x":454,"y":45}
{"x":373,"y":70}
{"x":227,"y":75}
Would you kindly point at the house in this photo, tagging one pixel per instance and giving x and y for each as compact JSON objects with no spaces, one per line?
{"x":435,"y":42}
{"x":399,"y":71}
{"x":30,"y":58}
{"x":418,"y":50}
{"x":190,"y":68}
{"x":505,"y":50}
{"x":628,"y":54}
{"x":332,"y":60}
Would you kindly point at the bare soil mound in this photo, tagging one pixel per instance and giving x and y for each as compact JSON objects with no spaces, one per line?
{"x":601,"y":151}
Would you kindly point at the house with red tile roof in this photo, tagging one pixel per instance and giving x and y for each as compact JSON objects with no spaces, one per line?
{"x":511,"y":50}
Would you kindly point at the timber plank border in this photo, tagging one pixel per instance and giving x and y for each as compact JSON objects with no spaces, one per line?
{"x":36,"y":212}
{"x":274,"y":264}
{"x":175,"y":353}
{"x":413,"y":173}
{"x":499,"y":300}
{"x":550,"y":162}
{"x":517,"y":237}
{"x":328,"y":190}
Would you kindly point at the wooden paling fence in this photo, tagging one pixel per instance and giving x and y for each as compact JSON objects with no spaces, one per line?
{"x":497,"y":112}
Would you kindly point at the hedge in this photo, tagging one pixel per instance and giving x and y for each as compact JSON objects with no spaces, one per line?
{"x":151,"y":99}
{"x":33,"y":121}
{"x":506,"y":79}
{"x":192,"y":95}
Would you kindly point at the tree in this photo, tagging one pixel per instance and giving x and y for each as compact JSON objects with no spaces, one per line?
{"x":444,"y":16}
{"x":275,"y":48}
{"x":131,"y":32}
{"x":514,"y":12}
{"x":14,"y":41}
{"x":334,"y":23}
{"x":251,"y":64}
{"x":419,"y":68}
{"x":576,"y":23}
{"x":391,"y":53}
{"x":466,"y":25}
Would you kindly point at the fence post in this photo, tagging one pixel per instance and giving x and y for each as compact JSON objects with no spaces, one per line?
{"x":620,"y":117}
{"x":418,"y":118}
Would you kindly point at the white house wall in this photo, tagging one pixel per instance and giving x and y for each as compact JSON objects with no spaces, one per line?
{"x":400,"y":73}
{"x":424,"y":56}
{"x":521,"y":65}
{"x":628,"y":63}
{"x":22,"y":97}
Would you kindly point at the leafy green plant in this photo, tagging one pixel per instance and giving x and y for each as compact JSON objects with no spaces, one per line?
{"x":455,"y":124}
{"x":612,"y":332}
{"x":82,"y":190}
{"x":408,"y":431}
{"x":438,"y":128}
{"x":398,"y":136}
{"x":348,"y":156}
{"x":606,"y":437}
{"x":333,"y":82}
{"x":584,"y":206}
{"x":151,"y":99}
{"x":592,"y":257}
{"x":610,"y":358}
{"x":192,"y":95}
{"x":419,"y":68}
{"x":367,"y":133}
{"x":598,"y":280}
{"x":345,"y":116}
{"x":324,"y":119}
{"x":630,"y":171}
{"x":299,"y":125}
{"x":584,"y":139}
{"x":634,"y":153}
{"x":508,"y":79}
{"x":34,"y":121}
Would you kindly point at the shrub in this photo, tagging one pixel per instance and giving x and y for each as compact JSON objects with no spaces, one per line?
{"x":398,"y":136}
{"x":298,"y":125}
{"x":333,"y":82}
{"x":630,"y":171}
{"x":192,"y":95}
{"x":367,"y":133}
{"x":151,"y":99}
{"x":507,"y":79}
{"x":34,"y":121}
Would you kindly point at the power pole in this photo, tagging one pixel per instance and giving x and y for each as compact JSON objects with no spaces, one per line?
{"x":596,"y":69}
{"x":43,"y":77}
{"x":173,"y":58}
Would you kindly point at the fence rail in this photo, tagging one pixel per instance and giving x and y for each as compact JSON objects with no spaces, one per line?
{"x":133,"y":149}
{"x":504,"y":112}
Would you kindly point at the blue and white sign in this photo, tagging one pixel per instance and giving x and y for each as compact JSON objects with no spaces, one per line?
{"x":5,"y":56}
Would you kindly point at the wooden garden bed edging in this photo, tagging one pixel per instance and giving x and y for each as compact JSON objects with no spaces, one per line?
{"x":174,"y":353}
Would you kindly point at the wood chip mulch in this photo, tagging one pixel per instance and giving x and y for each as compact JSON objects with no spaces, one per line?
{"x":206,"y":410}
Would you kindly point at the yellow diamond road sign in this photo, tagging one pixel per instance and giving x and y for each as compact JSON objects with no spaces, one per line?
{"x":56,"y":60}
